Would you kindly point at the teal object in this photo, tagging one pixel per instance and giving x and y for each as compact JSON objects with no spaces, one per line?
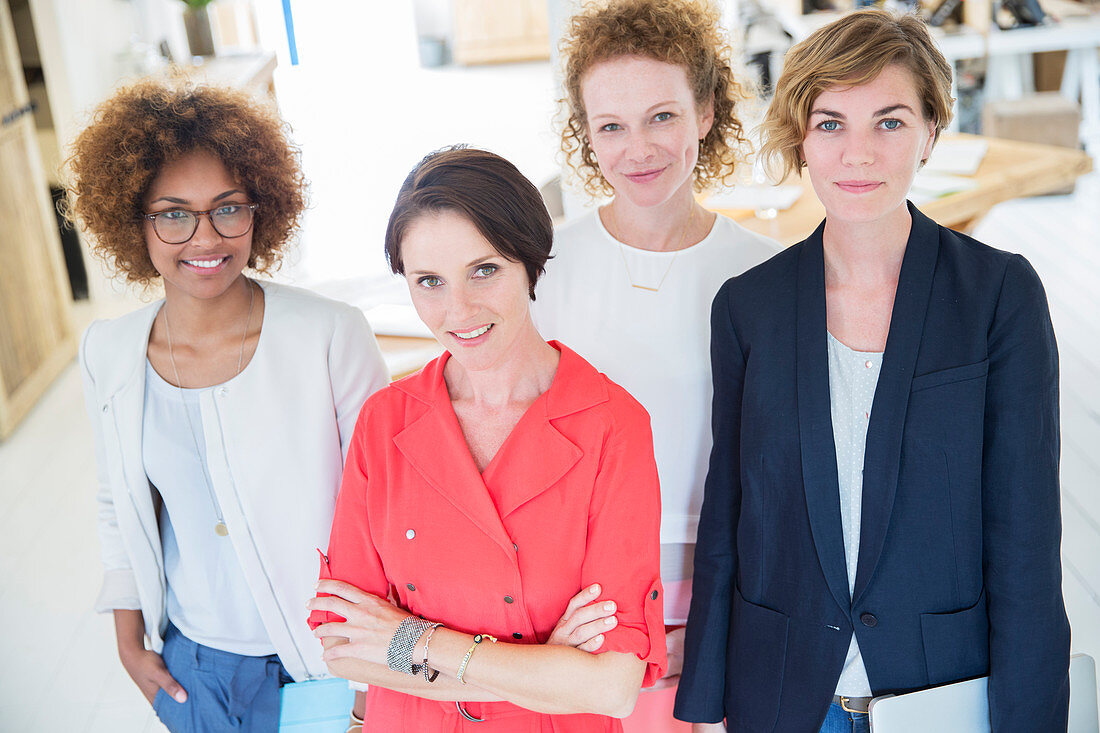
{"x":316,"y":706}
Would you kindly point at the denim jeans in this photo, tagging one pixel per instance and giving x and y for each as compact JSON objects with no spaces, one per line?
{"x":840,"y":721}
{"x":225,"y":691}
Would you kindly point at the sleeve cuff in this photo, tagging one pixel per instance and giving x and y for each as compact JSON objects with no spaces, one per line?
{"x":118,"y":592}
{"x":316,"y":618}
{"x":646,"y":640}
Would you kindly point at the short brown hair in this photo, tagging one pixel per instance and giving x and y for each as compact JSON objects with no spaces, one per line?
{"x":488,"y":191}
{"x":848,"y":52}
{"x":145,"y":125}
{"x":681,"y":32}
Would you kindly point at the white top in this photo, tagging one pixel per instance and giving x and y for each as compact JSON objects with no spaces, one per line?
{"x":654,"y":344}
{"x":853,"y":377}
{"x":208,"y":598}
{"x":275,"y":438}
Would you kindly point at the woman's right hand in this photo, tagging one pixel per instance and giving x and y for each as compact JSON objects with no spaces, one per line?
{"x":585,"y":620}
{"x":146,"y":668}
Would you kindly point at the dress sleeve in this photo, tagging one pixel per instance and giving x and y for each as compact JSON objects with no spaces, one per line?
{"x":703,"y":680}
{"x":352,"y":556}
{"x":119,"y":589}
{"x":356,"y":370}
{"x":1029,"y":636}
{"x":623,"y":551}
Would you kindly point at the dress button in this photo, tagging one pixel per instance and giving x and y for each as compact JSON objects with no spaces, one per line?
{"x":410,"y":586}
{"x":869,"y":364}
{"x":515,"y":547}
{"x":653,"y":595}
{"x":517,"y":635}
{"x":410,"y":533}
{"x":869,"y":620}
{"x":105,"y":408}
{"x":509,"y":599}
{"x":223,"y":391}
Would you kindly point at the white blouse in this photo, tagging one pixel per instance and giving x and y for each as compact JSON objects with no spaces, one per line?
{"x":853,"y":378}
{"x":208,"y":598}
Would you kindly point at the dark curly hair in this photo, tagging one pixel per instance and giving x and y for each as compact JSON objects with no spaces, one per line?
{"x":151,"y":122}
{"x":681,"y":32}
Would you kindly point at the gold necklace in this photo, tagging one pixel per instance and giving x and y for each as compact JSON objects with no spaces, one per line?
{"x":220,"y":528}
{"x":622,"y":250}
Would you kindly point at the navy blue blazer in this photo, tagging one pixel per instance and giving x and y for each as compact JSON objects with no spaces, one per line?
{"x":958,"y":573}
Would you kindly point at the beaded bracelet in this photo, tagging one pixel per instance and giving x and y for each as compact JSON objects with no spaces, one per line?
{"x":399,"y":653}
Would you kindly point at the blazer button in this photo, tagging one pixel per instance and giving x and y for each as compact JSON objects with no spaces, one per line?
{"x":105,"y":407}
{"x":409,"y":534}
{"x":517,"y":635}
{"x":410,"y":586}
{"x":869,"y":620}
{"x":509,"y":599}
{"x":653,"y":595}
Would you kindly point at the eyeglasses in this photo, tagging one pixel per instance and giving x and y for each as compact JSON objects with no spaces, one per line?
{"x":179,"y":225}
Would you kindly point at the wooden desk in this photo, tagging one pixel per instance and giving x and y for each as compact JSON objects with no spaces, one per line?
{"x":405,"y":354}
{"x":1009,"y":170}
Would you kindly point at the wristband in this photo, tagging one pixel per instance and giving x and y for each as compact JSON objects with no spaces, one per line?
{"x":400,"y":651}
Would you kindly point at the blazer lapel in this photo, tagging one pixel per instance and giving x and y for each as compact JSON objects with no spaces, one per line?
{"x":884,"y":432}
{"x":815,"y":423}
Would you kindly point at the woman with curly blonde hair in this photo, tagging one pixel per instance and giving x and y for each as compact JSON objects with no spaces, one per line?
{"x":222,"y":412}
{"x":652,"y":107}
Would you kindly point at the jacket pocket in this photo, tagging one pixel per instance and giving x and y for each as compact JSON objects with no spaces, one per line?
{"x":951,"y":375}
{"x":757,"y":656}
{"x":956,"y":645}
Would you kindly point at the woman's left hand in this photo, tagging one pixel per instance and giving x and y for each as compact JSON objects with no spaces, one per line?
{"x":370,"y":625}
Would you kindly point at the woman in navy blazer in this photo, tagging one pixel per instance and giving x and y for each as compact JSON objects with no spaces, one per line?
{"x":937,"y":558}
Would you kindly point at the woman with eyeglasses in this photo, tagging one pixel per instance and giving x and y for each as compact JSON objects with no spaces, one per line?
{"x":221,"y":413}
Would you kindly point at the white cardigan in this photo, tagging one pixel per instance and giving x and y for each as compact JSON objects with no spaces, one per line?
{"x":275,"y":439}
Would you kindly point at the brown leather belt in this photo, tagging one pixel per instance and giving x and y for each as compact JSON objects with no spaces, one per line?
{"x":852,"y":704}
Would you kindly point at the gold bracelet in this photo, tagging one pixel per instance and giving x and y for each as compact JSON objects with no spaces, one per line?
{"x":466,"y":659}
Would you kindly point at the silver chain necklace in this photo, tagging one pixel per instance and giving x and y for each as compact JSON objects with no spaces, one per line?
{"x":220,"y":528}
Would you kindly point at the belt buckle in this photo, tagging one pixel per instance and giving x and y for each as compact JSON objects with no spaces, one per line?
{"x":844,"y":706}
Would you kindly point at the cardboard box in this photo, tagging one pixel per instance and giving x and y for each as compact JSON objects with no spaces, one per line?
{"x":1047,"y":118}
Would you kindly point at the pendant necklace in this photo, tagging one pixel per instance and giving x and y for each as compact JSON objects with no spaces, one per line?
{"x":220,"y":528}
{"x":622,"y":250}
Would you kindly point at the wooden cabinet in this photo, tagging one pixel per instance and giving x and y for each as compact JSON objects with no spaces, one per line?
{"x":36,"y":331}
{"x":497,"y":31}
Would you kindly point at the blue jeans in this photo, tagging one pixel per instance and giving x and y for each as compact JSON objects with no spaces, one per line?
{"x":840,"y":721}
{"x":225,"y":691}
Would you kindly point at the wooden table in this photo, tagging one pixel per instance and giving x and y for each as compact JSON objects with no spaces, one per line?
{"x":1009,"y":170}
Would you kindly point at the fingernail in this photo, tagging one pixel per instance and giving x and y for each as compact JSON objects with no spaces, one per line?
{"x":609,"y":621}
{"x":180,"y":697}
{"x":609,"y":606}
{"x":594,"y":589}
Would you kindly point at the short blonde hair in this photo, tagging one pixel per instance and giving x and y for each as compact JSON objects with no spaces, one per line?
{"x":681,"y":32}
{"x":849,"y":52}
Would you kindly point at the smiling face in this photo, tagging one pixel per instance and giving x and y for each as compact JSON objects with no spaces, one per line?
{"x":207,"y":264}
{"x":864,"y":144}
{"x":644,"y":127}
{"x":474,"y":300}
